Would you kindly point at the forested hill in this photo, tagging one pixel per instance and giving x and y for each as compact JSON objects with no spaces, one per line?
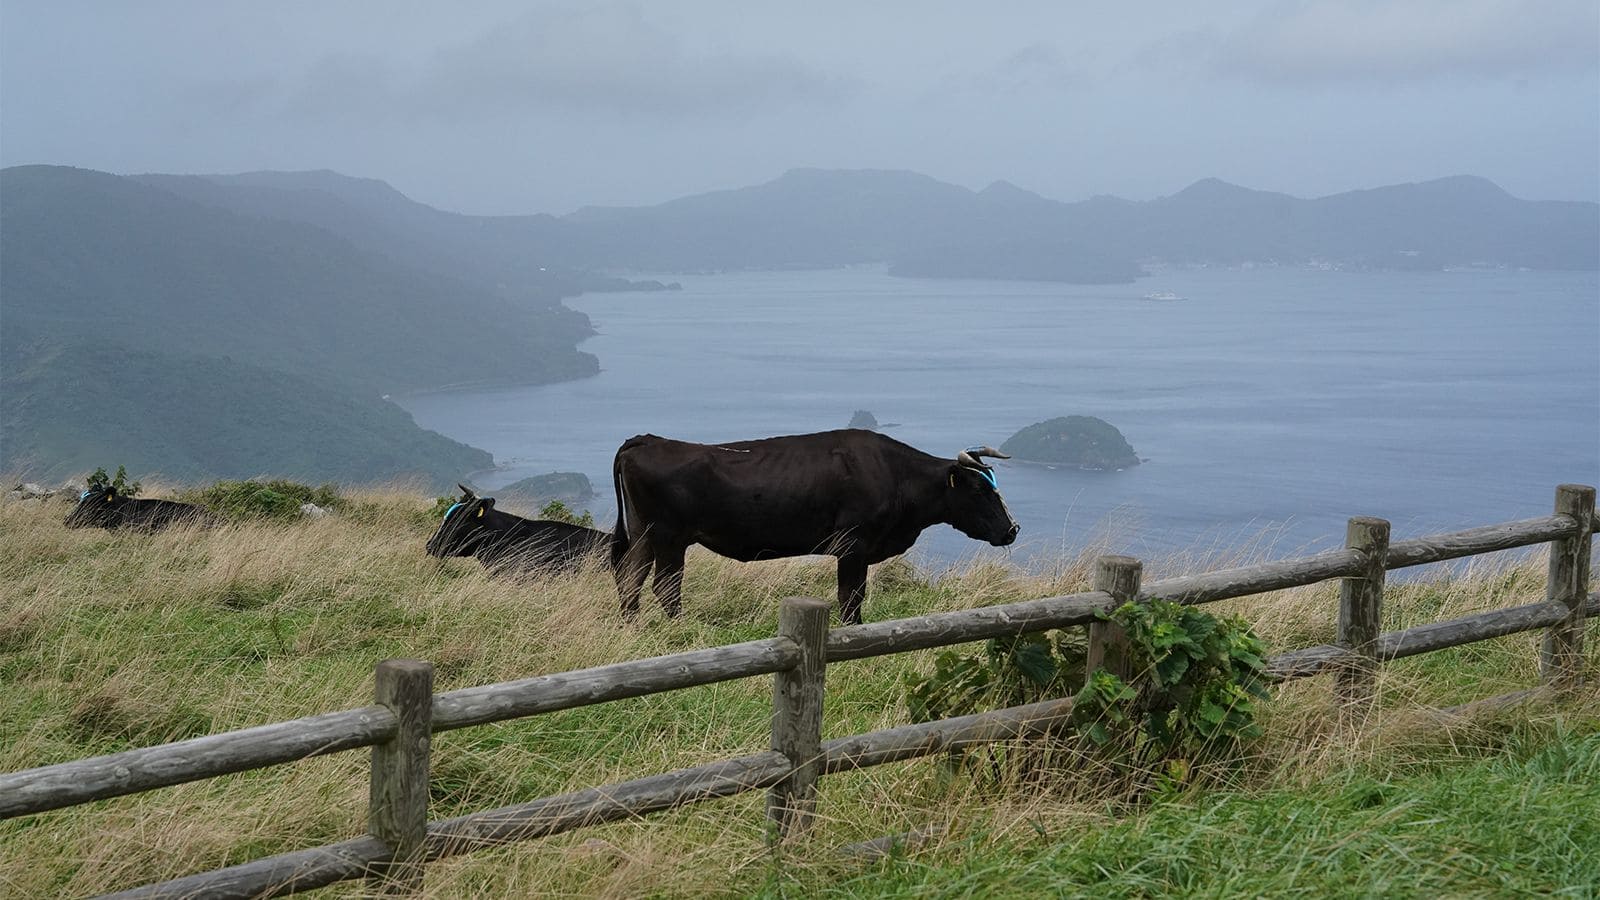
{"x":301,"y":326}
{"x":91,"y":255}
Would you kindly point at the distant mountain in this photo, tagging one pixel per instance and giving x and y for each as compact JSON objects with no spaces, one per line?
{"x":74,"y":407}
{"x":813,"y":217}
{"x":134,"y":316}
{"x":532,"y":258}
{"x":92,"y":254}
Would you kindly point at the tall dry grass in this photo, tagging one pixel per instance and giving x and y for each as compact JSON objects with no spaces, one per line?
{"x":111,"y":640}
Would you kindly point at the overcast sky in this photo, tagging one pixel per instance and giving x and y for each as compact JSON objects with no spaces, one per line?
{"x":504,"y":107}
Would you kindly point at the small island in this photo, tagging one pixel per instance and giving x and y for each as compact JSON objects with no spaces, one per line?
{"x":1082,"y":442}
{"x":564,"y":486}
{"x":863,"y":419}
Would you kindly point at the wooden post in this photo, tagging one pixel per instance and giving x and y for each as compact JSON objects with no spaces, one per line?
{"x":797,"y":714}
{"x":1561,"y":653}
{"x":1108,"y":643}
{"x":397,"y":811}
{"x":1361,"y":612}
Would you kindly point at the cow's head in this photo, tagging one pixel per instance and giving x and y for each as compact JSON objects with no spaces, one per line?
{"x":97,"y":508}
{"x":465,"y":525}
{"x":972,"y":499}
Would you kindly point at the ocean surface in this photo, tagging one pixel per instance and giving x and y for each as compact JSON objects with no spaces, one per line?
{"x":1270,"y":404}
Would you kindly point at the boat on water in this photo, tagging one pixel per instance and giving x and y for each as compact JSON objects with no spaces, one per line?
{"x":1163,"y":295}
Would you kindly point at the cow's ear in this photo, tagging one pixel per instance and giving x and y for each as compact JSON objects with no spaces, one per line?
{"x":111,"y":494}
{"x":489,"y":502}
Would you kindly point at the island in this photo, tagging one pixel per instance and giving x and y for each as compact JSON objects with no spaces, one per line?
{"x":864,"y":419}
{"x":565,"y":486}
{"x":1082,"y":442}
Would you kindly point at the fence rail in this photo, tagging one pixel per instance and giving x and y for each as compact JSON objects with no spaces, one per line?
{"x":399,"y":726}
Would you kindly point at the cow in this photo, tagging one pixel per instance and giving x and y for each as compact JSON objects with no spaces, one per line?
{"x":854,"y":494}
{"x":511,"y":545}
{"x":103,"y":507}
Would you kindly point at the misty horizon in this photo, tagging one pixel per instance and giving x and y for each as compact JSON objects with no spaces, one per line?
{"x":975,"y":189}
{"x":501,"y":109}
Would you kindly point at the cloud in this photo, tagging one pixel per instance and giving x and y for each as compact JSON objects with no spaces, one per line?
{"x":1324,"y":41}
{"x":603,"y":60}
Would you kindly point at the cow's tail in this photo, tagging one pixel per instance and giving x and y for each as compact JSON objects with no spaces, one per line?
{"x":619,"y":537}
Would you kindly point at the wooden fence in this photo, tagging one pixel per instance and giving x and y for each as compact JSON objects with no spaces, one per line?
{"x":406,"y":712}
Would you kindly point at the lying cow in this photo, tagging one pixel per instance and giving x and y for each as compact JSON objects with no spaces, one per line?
{"x":857,"y":495}
{"x":508,"y":544}
{"x":105,"y":508}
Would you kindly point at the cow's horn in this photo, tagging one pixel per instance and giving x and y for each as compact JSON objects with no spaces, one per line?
{"x":466,"y":491}
{"x":972,"y":456}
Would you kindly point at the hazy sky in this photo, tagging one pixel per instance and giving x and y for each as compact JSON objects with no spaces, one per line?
{"x":503,"y":107}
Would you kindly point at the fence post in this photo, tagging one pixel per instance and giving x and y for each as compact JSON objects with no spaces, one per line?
{"x":1361,"y":611}
{"x":1561,"y":652}
{"x":797,"y":714}
{"x":397,"y":811}
{"x":1109,"y":649}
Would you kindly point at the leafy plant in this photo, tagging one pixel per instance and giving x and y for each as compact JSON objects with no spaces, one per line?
{"x":557,"y":511}
{"x":1009,"y":672}
{"x":276,"y":499}
{"x":100,"y":481}
{"x":1192,"y":697}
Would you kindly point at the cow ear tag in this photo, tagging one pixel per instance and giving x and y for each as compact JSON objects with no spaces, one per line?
{"x":952,"y":479}
{"x":480,"y":512}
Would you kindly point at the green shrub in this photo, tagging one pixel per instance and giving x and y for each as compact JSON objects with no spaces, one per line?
{"x":99,"y":481}
{"x":557,"y":511}
{"x":276,"y":499}
{"x":1192,"y":697}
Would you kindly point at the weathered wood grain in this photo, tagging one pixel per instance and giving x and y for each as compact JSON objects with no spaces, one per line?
{"x":1561,"y":652}
{"x":1475,"y":541}
{"x":911,"y":741}
{"x":1305,"y":662}
{"x":1109,"y":648}
{"x":1257,"y":579}
{"x":1361,"y":611}
{"x":635,"y":678}
{"x":304,"y":870}
{"x":960,"y":626}
{"x":274,"y":876}
{"x":553,"y":815}
{"x":1426,"y":638}
{"x":797,"y":714}
{"x":132,"y":771}
{"x":397,"y":806}
{"x":1468,"y":629}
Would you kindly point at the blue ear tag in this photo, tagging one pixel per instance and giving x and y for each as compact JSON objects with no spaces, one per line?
{"x":453,"y":508}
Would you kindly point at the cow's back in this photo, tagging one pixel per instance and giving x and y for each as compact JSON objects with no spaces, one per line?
{"x":780,"y":496}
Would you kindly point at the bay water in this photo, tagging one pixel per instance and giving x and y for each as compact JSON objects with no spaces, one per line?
{"x":1270,"y":404}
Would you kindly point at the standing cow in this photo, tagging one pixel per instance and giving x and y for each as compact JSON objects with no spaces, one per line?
{"x":853,"y":494}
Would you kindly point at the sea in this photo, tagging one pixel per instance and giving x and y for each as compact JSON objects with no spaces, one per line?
{"x":1268,"y":404}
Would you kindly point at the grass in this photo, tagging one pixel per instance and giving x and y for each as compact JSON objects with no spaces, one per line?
{"x":110,"y":641}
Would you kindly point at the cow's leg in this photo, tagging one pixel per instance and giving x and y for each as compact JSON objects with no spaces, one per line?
{"x":631,"y":573}
{"x":852,"y":588}
{"x":669,"y":578}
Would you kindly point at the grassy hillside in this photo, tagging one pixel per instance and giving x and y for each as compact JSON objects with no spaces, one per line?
{"x":111,"y":641}
{"x":67,"y":410}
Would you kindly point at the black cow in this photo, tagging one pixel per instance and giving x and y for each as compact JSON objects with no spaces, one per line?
{"x":854,"y":494}
{"x":105,"y":508}
{"x":508,"y":544}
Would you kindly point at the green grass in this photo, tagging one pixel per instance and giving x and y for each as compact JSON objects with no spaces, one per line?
{"x":110,"y":641}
